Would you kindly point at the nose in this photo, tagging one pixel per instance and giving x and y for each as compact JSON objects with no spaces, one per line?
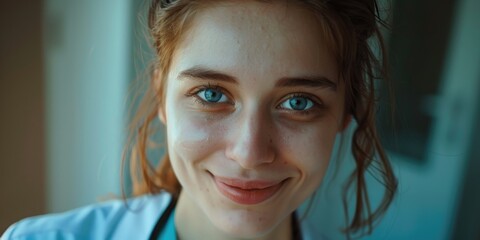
{"x":251,"y":143}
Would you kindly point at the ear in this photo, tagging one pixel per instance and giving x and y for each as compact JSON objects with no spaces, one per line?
{"x":156,"y":78}
{"x":156,"y":84}
{"x":346,"y":122}
{"x":161,"y":115}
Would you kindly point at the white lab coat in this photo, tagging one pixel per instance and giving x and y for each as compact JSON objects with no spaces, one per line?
{"x":117,"y":219}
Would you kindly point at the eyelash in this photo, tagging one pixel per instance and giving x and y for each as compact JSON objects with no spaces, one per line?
{"x":318,"y":105}
{"x":194,"y":93}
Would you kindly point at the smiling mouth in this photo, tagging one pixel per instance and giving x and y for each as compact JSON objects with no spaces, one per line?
{"x":247,"y":192}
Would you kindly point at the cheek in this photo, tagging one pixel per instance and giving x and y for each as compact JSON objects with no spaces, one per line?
{"x":310,"y":148}
{"x":193,"y":137}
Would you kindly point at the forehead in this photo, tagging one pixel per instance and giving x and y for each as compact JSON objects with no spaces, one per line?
{"x":256,"y":39}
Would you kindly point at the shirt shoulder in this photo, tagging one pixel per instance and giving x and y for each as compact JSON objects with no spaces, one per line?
{"x":118,"y":219}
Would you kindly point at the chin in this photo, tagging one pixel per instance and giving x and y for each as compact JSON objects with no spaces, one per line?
{"x":246,"y":224}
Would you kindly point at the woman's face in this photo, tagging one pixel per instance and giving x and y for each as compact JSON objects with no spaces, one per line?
{"x":253,"y":105}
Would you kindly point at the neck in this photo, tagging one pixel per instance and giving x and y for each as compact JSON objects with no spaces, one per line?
{"x":191,"y":222}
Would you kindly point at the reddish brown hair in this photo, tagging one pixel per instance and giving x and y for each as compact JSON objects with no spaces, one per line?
{"x":348,"y":25}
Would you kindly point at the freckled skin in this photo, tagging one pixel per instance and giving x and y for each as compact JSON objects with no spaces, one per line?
{"x":250,"y":138}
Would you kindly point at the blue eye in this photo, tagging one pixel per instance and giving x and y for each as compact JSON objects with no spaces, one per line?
{"x":297,"y":103}
{"x":212,"y":95}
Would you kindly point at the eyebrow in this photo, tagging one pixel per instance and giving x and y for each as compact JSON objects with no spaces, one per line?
{"x":315,"y":82}
{"x":206,"y":74}
{"x":209,"y":74}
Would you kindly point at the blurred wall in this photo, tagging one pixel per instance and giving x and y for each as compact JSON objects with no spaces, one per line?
{"x":87,"y":70}
{"x":468,"y":212}
{"x":22,"y":154}
{"x":428,"y":198}
{"x":64,"y":71}
{"x":426,"y":205}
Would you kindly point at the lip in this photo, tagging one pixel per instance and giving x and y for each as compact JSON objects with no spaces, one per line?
{"x":247,"y":192}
